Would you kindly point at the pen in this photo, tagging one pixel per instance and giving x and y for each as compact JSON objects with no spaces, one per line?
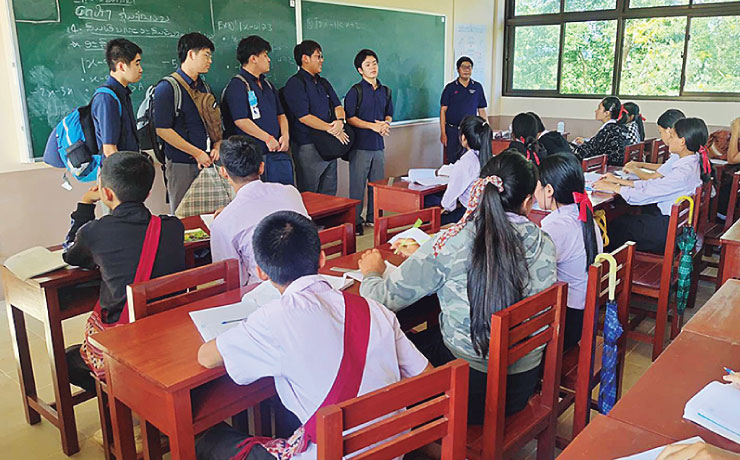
{"x":729,"y":371}
{"x":233,"y":321}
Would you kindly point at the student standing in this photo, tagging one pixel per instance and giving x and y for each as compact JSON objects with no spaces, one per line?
{"x":462,"y":97}
{"x":314,"y":341}
{"x":190,"y":139}
{"x":665,"y":129}
{"x":231,"y":231}
{"x":114,"y":119}
{"x":313,"y":104}
{"x":610,"y":139}
{"x":369,"y":108}
{"x":251,"y":106}
{"x":571,"y":225}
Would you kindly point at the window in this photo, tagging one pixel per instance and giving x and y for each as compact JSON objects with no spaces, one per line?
{"x":683,"y":49}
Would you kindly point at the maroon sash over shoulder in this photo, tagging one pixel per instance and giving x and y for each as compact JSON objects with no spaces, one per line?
{"x":346,"y":384}
{"x":92,"y":356}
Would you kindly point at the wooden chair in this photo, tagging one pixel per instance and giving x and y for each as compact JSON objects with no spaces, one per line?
{"x":595,"y":164}
{"x":705,"y":222}
{"x":338,"y":241}
{"x":653,"y":278}
{"x":440,"y":402}
{"x":713,"y":234}
{"x":581,"y":370}
{"x":634,"y":152}
{"x":387,"y":227}
{"x":535,"y":321}
{"x":659,"y":152}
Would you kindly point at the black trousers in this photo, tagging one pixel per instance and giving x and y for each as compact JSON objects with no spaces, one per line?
{"x":519,"y":387}
{"x":573,"y":328}
{"x":648,"y":230}
{"x":220,"y":443}
{"x":79,"y":373}
{"x":435,"y":199}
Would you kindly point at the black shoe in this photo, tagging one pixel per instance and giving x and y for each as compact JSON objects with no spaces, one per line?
{"x":359,"y":230}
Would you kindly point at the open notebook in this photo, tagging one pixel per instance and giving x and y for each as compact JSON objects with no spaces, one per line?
{"x":717,"y":408}
{"x":34,"y":261}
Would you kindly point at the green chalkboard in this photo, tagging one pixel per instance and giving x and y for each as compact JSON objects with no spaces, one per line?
{"x":61,"y":45}
{"x":410,"y":49}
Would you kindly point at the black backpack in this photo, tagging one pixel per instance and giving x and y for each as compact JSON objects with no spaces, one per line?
{"x":358,"y":87}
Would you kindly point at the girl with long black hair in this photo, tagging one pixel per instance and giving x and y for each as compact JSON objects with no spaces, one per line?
{"x":524,"y":131}
{"x":665,"y":129}
{"x":611,"y":138}
{"x":632,"y":120}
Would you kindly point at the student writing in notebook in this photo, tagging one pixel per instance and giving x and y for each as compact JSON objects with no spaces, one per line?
{"x":572,"y":228}
{"x":665,"y":129}
{"x":493,"y":258}
{"x":610,"y":139}
{"x":650,"y":228}
{"x":121,"y":245}
{"x":300,"y":341}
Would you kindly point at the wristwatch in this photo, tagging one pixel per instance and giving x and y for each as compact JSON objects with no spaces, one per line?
{"x":343,"y":120}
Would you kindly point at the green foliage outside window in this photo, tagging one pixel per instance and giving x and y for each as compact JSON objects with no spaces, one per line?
{"x":713,"y":62}
{"x":536,"y":57}
{"x":588,"y":57}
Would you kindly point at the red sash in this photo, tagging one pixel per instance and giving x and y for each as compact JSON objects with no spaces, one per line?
{"x":93,"y":356}
{"x":346,"y":384}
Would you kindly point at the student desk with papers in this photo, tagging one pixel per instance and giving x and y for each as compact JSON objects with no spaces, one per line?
{"x":719,"y":318}
{"x":396,"y":195}
{"x":729,"y":261}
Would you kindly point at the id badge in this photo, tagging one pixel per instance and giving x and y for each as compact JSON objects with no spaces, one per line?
{"x":253,"y":105}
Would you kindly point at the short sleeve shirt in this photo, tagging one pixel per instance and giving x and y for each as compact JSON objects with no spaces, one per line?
{"x":376,"y":105}
{"x":115,"y":124}
{"x":462,"y":101}
{"x":306,"y":94}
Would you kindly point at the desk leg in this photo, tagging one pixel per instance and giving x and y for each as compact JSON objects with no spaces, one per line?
{"x":60,"y":374}
{"x":19,"y":334}
{"x":182,"y":438}
{"x":152,"y":441}
{"x":123,"y":428}
{"x":349,"y":216}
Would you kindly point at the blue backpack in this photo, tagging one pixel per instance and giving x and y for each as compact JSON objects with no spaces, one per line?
{"x":72,"y":144}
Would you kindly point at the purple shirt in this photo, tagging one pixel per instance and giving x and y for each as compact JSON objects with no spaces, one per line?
{"x":464,"y":172}
{"x":231,"y":231}
{"x":681,"y":179}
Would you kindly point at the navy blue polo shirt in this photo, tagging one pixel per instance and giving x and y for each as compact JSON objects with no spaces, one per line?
{"x":112,"y":126}
{"x":461,"y":101}
{"x":305,"y":95}
{"x":375,"y":106}
{"x":236,"y":106}
{"x":188,"y":124}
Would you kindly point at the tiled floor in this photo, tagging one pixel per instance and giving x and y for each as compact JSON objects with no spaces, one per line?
{"x":41,"y":441}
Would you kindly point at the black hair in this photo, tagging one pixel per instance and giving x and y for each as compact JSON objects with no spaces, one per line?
{"x":613,"y":106}
{"x":633,"y":110}
{"x":478,"y":135}
{"x":498,"y":273}
{"x":524,"y":129}
{"x":695,"y":133}
{"x":565,"y":174}
{"x":304,"y":48}
{"x":241,"y":156}
{"x":669,"y":118}
{"x":286,"y":246}
{"x":120,"y":50}
{"x":462,"y":60}
{"x":193,"y":41}
{"x":129,"y":174}
{"x":362,"y":55}
{"x":254,"y":45}
{"x":540,"y":125}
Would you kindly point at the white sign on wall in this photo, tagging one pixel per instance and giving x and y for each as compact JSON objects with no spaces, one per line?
{"x":471,"y":41}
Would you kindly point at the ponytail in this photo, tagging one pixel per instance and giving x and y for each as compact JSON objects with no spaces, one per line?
{"x":612,"y":105}
{"x":479,"y":137}
{"x":695,"y":134}
{"x":525,"y":129}
{"x":633,"y":110}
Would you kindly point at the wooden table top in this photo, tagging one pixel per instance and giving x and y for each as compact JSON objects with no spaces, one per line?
{"x":720,"y":316}
{"x":656,"y":402}
{"x":732,"y":235}
{"x":350,"y":261}
{"x":410,"y":187}
{"x":319,"y":205}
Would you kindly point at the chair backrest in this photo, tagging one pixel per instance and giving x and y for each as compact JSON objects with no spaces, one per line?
{"x":734,"y":201}
{"x":440,"y":407}
{"x":171,"y":291}
{"x":659,"y":153}
{"x":387,"y":227}
{"x":703,"y":208}
{"x":515,"y":331}
{"x":338,"y":241}
{"x":678,"y":220}
{"x":594,"y":164}
{"x":597,"y":294}
{"x":634,"y":152}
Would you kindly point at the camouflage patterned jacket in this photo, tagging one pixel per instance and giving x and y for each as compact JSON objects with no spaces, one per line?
{"x":447,"y":275}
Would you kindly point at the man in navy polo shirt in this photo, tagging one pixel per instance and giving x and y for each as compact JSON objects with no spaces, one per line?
{"x":251,"y":106}
{"x":311,"y":101}
{"x":185,"y":136}
{"x":370,"y":113}
{"x":115,"y":124}
{"x":460,"y":98}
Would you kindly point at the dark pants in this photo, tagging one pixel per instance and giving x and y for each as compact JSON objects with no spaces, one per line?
{"x":519,"y":387}
{"x":278,"y":168}
{"x":454,"y":149}
{"x":79,"y":373}
{"x":648,"y":230}
{"x":451,"y":217}
{"x":573,"y":328}
{"x":220,"y":443}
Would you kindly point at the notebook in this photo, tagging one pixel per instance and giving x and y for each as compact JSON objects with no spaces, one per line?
{"x":208,"y":219}
{"x":717,"y":408}
{"x":652,"y":454}
{"x":34,"y":261}
{"x":426,"y":177}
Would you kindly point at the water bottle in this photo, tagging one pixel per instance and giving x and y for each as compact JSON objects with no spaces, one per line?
{"x":561,"y":127}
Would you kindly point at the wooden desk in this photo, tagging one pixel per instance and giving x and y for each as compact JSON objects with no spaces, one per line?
{"x":719,"y":318}
{"x":729,"y":262}
{"x":329,"y":210}
{"x":402,"y":196}
{"x":499,"y":145}
{"x":606,"y":438}
{"x":153,"y":370}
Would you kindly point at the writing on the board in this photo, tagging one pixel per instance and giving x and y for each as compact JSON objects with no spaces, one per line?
{"x":316,"y":23}
{"x":243,"y":26}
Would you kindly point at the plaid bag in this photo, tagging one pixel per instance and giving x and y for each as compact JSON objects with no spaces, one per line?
{"x":208,"y":192}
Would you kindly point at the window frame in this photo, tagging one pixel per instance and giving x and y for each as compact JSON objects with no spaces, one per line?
{"x":621,"y":14}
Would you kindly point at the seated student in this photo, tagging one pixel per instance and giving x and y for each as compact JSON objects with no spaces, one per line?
{"x":650,"y":229}
{"x":572,"y":228}
{"x":231,"y":230}
{"x":552,"y":141}
{"x":610,"y":140}
{"x":633,"y":123}
{"x":494,"y":257}
{"x":475,"y":137}
{"x":524,"y":130}
{"x":733,"y":160}
{"x":665,"y":129}
{"x":118,"y":244}
{"x":299,"y":340}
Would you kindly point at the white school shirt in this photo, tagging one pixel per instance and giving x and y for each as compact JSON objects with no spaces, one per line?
{"x":299,"y":340}
{"x":464,"y":172}
{"x":668,"y":165}
{"x":231,"y":231}
{"x":682,"y":179}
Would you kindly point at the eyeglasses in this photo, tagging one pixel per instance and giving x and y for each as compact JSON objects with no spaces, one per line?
{"x":466,"y":67}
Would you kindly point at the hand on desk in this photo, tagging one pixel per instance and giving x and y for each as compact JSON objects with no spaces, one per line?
{"x":405,"y":246}
{"x":371,"y":262}
{"x":604,"y":185}
{"x":696,"y":451}
{"x":733,"y":378}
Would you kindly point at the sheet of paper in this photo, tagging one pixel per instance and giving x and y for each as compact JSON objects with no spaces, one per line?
{"x":339,"y":283}
{"x":357,"y":274}
{"x":652,"y":454}
{"x":591,"y":177}
{"x":213,"y":321}
{"x":429,"y":181}
{"x":717,"y":408}
{"x":34,"y":261}
{"x":413,"y":233}
{"x":207,"y":219}
{"x":445,"y":170}
{"x":718,"y":161}
{"x":417,"y":173}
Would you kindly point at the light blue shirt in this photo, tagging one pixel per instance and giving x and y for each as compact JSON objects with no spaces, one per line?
{"x":683,"y":177}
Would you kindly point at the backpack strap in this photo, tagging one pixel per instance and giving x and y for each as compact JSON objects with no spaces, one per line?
{"x":176,"y":92}
{"x":358,"y":87}
{"x":109,"y":91}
